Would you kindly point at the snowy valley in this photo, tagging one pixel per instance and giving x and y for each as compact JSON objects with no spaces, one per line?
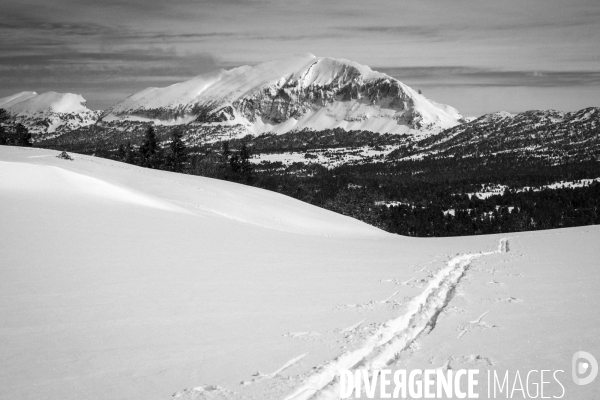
{"x":299,"y":200}
{"x":125,"y":282}
{"x":282,"y":234}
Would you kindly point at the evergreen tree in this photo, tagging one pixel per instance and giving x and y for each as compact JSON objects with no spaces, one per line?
{"x":246,"y":169}
{"x":129,"y":154}
{"x":225,"y":152}
{"x":121,"y":152}
{"x":234,"y":164}
{"x":150,"y":156}
{"x":3,"y":119}
{"x":3,"y":116}
{"x":224,"y":162}
{"x":177,"y":155}
{"x":23,"y":136}
{"x":4,"y":139}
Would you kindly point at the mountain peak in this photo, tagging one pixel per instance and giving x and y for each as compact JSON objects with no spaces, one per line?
{"x":291,"y":93}
{"x":30,"y":103}
{"x":46,"y":112}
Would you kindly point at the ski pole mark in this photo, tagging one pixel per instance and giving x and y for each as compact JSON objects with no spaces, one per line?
{"x":261,"y":377}
{"x":405,"y":283}
{"x":389,"y":298}
{"x":478,"y":320}
{"x":353,"y":327}
{"x":476,"y":324}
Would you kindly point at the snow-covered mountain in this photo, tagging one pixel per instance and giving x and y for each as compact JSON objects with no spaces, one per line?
{"x":50,"y":112}
{"x":556,"y":134}
{"x":293,"y":93}
{"x":120,"y":282}
{"x":302,"y":91}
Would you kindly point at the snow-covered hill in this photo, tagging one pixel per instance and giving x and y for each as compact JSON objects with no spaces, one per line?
{"x":118,"y":282}
{"x":49,"y":113}
{"x":297,"y":92}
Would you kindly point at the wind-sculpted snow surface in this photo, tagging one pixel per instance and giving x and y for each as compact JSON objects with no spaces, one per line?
{"x":175,"y":192}
{"x":50,"y":180}
{"x":297,"y":92}
{"x":123,"y":282}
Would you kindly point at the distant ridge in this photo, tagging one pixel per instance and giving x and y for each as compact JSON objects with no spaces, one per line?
{"x":49,"y":112}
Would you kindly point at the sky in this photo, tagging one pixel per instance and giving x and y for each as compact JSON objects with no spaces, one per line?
{"x":479,"y":56}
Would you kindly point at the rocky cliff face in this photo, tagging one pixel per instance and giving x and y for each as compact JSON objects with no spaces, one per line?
{"x":279,"y":103}
{"x":293,"y":93}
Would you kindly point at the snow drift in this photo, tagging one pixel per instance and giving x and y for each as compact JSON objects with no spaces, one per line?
{"x":123,"y":282}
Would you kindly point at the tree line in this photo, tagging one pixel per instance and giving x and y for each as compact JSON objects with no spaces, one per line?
{"x":17,"y":135}
{"x":430,"y":193}
{"x":174,"y":155}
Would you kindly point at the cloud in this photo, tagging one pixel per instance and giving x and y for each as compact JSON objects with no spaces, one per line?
{"x":106,"y":48}
{"x":469,"y":76}
{"x":22,"y":29}
{"x":30,"y":26}
{"x":419,"y":31}
{"x":104,"y":78}
{"x":127,"y":61}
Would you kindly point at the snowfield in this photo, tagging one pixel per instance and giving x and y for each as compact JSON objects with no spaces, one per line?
{"x":328,"y":157}
{"x":119,"y":282}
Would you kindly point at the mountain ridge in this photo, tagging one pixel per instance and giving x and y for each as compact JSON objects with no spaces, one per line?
{"x":550,"y":132}
{"x":50,"y":112}
{"x":302,"y":91}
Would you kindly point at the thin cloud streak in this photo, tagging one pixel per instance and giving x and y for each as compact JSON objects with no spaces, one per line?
{"x":468,"y":76}
{"x":86,"y":44}
{"x":419,"y":31}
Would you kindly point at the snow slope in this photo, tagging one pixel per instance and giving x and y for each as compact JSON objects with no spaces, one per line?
{"x":7,"y":102}
{"x":48,"y":112}
{"x":119,"y":282}
{"x":297,"y":92}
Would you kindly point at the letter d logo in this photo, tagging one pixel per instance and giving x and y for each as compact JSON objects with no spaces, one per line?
{"x":581,"y":367}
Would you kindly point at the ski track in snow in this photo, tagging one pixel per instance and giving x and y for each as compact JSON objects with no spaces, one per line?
{"x":391,"y":338}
